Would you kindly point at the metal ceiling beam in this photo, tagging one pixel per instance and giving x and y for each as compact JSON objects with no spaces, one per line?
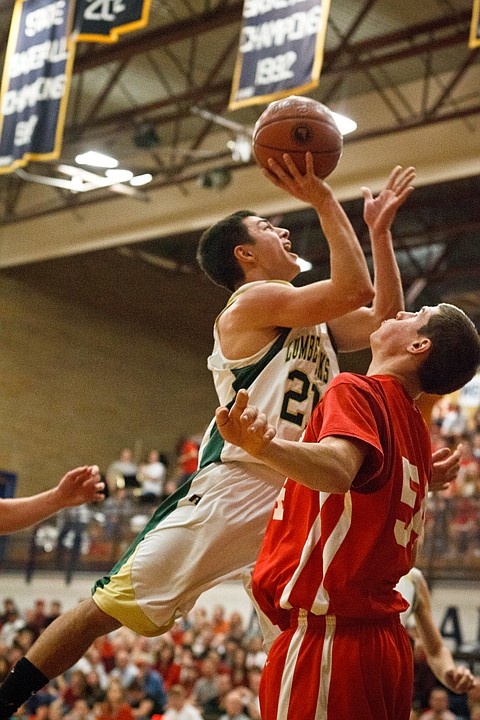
{"x":356,"y":64}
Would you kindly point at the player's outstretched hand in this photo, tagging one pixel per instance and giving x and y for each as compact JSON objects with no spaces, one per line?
{"x":460,"y":680}
{"x":244,"y":425}
{"x":308,"y":187}
{"x":379,"y":212}
{"x":445,"y":467}
{"x":81,"y":485}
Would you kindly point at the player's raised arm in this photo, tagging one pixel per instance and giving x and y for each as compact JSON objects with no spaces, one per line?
{"x":352,"y":331}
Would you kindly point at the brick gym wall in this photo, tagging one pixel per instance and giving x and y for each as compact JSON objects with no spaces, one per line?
{"x":77,"y":386}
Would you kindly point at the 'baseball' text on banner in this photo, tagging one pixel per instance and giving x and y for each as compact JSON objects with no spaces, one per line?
{"x":35,"y":82}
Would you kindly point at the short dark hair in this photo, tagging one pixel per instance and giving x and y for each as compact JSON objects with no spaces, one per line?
{"x":455,"y":354}
{"x":215,"y":252}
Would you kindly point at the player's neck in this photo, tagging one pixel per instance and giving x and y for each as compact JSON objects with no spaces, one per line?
{"x":409,"y":380}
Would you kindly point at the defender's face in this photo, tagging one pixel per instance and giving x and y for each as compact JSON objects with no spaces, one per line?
{"x":403,"y":329}
{"x":272,"y":248}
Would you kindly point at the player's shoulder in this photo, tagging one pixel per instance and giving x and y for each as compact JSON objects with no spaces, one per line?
{"x":353,"y":380}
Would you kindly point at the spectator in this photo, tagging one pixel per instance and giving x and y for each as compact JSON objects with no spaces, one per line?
{"x":122,"y":473}
{"x":256,"y":655}
{"x":236,"y":626}
{"x":151,"y":683}
{"x":75,"y":689}
{"x":438,"y":706}
{"x":205,"y":687}
{"x":114,"y":706}
{"x":72,"y":535}
{"x":124,"y":668}
{"x":37,"y":617}
{"x":187,"y":458}
{"x":214,"y":708}
{"x":152,"y":476}
{"x":166,"y":663}
{"x":178,"y":707}
{"x":219,"y":622}
{"x":238,"y":668}
{"x":54,"y":612}
{"x":95,"y":688}
{"x":234,"y":707}
{"x":454,"y":423}
{"x":79,"y":711}
{"x":9,"y":605}
{"x":92,"y":662}
{"x":12,"y":624}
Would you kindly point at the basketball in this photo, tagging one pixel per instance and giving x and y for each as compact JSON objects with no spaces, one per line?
{"x":296,"y":125}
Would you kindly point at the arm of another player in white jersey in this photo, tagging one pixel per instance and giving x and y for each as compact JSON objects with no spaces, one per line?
{"x":457,"y":678}
{"x":330,"y":465}
{"x":78,"y":486}
{"x":352,"y":331}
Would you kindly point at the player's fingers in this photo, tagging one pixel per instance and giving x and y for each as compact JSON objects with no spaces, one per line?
{"x":367,"y":193}
{"x":221,"y":416}
{"x":403,"y":179}
{"x":277,"y":170}
{"x":241,"y":401}
{"x":250,"y":415}
{"x":393,"y":176}
{"x":291,"y":167}
{"x":441,"y":454}
{"x":309,"y":164}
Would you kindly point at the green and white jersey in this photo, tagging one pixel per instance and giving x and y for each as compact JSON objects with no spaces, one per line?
{"x":285,"y":379}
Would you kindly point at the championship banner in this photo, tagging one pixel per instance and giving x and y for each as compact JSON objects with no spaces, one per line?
{"x":281,"y":50}
{"x":105,"y":20}
{"x":475,"y":26}
{"x":35,"y":83}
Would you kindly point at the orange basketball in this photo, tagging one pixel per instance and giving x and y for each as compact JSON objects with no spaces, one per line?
{"x":296,"y":125}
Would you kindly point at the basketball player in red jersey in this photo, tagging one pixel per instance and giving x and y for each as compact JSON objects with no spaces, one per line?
{"x":340,"y":538}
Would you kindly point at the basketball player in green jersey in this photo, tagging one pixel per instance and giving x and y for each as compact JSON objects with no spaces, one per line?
{"x":275,"y":340}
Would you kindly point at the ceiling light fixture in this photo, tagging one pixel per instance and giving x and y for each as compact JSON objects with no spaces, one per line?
{"x":96,"y":159}
{"x":139,"y":180}
{"x":345,"y":124}
{"x":118,"y":175}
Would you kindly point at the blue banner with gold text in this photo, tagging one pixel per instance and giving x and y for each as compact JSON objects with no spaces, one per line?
{"x":281,"y":50}
{"x":35,"y":83}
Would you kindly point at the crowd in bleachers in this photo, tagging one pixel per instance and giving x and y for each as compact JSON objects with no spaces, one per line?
{"x":205,"y":667}
{"x":208,"y":667}
{"x":453,"y":516}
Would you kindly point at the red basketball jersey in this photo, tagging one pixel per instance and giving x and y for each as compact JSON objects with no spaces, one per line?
{"x":342,"y":554}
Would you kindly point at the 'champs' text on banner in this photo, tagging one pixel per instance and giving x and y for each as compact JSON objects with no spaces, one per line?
{"x":281,"y":50}
{"x":475,"y":26}
{"x":35,"y":83}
